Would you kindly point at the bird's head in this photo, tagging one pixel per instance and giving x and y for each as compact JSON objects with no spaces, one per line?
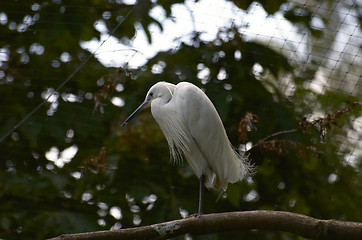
{"x":161,"y":91}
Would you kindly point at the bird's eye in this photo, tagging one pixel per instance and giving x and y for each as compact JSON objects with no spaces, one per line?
{"x":151,"y":94}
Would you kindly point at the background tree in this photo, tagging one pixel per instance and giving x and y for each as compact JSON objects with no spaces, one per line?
{"x":123,"y":177}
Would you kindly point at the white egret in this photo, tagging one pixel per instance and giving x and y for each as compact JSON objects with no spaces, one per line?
{"x":193,"y":129}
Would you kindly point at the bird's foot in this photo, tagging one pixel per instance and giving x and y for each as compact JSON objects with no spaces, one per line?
{"x":194,"y":215}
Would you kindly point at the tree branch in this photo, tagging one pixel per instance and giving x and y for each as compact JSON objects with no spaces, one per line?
{"x":298,"y":224}
{"x":273,"y":135}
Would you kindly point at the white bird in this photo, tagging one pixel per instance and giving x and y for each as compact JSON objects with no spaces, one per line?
{"x":193,"y":129}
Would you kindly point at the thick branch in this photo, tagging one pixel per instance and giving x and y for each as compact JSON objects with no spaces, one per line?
{"x":301,"y":225}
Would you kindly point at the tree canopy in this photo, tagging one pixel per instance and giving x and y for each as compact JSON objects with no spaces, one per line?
{"x":296,"y":113}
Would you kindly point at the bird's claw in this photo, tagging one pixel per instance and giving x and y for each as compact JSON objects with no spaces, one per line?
{"x":194,"y":215}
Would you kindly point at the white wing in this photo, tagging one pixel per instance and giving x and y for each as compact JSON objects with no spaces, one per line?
{"x":209,"y":151}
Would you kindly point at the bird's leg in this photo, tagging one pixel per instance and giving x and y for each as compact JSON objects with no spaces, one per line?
{"x":201,"y":194}
{"x":220,"y":195}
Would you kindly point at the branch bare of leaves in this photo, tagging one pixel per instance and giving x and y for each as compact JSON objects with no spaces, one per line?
{"x":298,"y":224}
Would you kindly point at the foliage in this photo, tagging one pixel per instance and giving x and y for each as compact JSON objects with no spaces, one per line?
{"x":128,"y":168}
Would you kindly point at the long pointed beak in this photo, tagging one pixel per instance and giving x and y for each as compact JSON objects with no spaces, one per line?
{"x":135,"y":112}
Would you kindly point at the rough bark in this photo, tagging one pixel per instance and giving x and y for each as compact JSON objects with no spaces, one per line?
{"x":298,"y":224}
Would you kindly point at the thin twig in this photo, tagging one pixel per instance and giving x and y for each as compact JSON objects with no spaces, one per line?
{"x":273,"y":135}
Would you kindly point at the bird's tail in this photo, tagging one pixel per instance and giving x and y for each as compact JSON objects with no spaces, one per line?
{"x":236,"y":168}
